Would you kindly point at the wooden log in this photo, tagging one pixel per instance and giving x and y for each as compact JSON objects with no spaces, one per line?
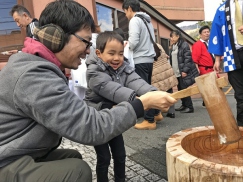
{"x":218,"y":109}
{"x":196,"y":155}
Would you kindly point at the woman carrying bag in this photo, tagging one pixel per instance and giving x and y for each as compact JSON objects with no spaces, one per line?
{"x":163,"y":77}
{"x":184,"y":68}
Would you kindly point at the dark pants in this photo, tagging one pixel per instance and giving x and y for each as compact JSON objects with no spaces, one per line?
{"x":172,"y":108}
{"x":236,"y":81}
{"x":116,"y":145}
{"x":103,"y":159}
{"x":144,"y":70}
{"x":59,"y":165}
{"x":187,"y":101}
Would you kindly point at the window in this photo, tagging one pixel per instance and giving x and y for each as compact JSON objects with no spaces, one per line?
{"x":105,"y":17}
{"x":7,"y":24}
{"x":123,"y":23}
{"x":110,"y":18}
{"x":165,"y":43}
{"x":10,"y":34}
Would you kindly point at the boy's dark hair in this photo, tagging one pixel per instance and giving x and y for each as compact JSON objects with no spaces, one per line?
{"x":69,"y":15}
{"x":134,"y":4}
{"x":203,"y":28}
{"x":120,"y":32}
{"x":19,"y":9}
{"x":105,"y":37}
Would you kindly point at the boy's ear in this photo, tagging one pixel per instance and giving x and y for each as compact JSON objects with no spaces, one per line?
{"x":129,"y":8}
{"x":97,"y":51}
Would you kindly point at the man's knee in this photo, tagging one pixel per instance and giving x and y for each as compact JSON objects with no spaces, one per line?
{"x":73,"y":154}
{"x":82,"y":170}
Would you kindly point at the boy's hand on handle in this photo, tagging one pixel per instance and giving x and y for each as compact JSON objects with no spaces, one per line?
{"x":157,"y":100}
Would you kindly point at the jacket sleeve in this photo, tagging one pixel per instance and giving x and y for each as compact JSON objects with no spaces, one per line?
{"x":102,"y":84}
{"x":43,"y":95}
{"x":196,"y":52}
{"x":187,"y":57}
{"x":134,"y":33}
{"x":136,"y":83}
{"x":216,"y":45}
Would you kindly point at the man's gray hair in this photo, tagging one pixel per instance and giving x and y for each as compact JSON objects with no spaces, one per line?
{"x":19,"y":9}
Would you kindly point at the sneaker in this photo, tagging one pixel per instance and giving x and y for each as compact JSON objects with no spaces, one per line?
{"x":159,"y":117}
{"x":145,"y":125}
{"x":203,"y":105}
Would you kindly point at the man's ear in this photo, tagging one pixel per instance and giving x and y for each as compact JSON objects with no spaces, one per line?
{"x":25,"y":15}
{"x":98,"y":53}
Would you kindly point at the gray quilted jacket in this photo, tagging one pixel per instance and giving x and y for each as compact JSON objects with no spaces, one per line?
{"x":107,"y":85}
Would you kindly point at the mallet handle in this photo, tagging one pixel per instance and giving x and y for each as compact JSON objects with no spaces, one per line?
{"x":221,"y":82}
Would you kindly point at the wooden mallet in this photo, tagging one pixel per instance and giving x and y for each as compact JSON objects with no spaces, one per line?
{"x":216,"y":104}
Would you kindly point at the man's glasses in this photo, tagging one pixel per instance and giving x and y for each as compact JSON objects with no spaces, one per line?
{"x":88,"y":44}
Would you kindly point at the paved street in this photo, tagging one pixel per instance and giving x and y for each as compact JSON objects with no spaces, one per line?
{"x":134,"y":172}
{"x":146,"y":160}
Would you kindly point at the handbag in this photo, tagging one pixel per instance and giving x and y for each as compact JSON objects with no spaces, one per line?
{"x":163,"y":77}
{"x":156,"y":48}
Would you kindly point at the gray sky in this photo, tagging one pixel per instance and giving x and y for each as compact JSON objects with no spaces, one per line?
{"x":210,"y":7}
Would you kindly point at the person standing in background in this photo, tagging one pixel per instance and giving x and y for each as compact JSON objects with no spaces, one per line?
{"x":184,"y":68}
{"x":226,"y":40}
{"x":202,"y":58}
{"x":163,"y":77}
{"x":24,"y":20}
{"x":143,"y":53}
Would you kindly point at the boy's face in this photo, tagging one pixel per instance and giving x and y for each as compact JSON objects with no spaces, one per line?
{"x":113,"y":54}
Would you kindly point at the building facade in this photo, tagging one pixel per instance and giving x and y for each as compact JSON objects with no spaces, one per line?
{"x":106,"y":13}
{"x":189,"y":10}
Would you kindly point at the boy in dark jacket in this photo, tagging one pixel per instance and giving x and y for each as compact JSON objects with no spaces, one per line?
{"x":111,"y":80}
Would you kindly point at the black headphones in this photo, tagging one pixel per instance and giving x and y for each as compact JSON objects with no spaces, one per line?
{"x":50,"y":35}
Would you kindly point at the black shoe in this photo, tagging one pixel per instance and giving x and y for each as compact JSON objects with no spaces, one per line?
{"x":170,"y":115}
{"x":203,"y":105}
{"x":181,"y":108}
{"x":188,"y":110}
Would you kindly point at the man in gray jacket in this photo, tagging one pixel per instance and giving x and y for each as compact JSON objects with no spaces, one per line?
{"x":143,"y":50}
{"x":37,"y":108}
